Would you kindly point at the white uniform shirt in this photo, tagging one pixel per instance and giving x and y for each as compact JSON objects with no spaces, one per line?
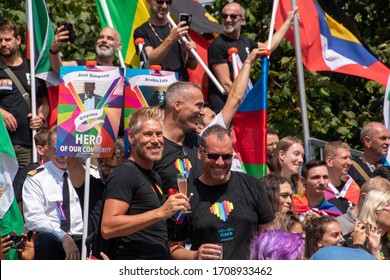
{"x":41,"y":194}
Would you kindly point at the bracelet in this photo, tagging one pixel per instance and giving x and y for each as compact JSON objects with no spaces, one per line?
{"x":53,"y":52}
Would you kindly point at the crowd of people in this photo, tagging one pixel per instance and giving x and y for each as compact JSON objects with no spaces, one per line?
{"x":335,"y":208}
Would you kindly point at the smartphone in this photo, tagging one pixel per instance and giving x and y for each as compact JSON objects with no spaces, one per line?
{"x":68,"y":26}
{"x":17,"y":241}
{"x":185,"y":17}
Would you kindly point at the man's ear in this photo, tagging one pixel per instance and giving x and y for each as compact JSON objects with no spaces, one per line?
{"x":40,"y":150}
{"x":200,"y":152}
{"x":329,"y":161}
{"x":177,"y":105}
{"x":367,"y":141}
{"x":243,"y":20}
{"x":131,"y":137}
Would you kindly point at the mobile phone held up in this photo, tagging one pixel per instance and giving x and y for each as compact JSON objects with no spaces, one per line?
{"x":185,"y":17}
{"x":68,"y":26}
{"x":17,"y":241}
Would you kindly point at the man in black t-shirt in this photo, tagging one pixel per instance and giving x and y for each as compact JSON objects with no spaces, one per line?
{"x":162,"y":41}
{"x":227,"y":207}
{"x":134,"y":212}
{"x":183,"y":108}
{"x":13,"y":106}
{"x":233,"y":17}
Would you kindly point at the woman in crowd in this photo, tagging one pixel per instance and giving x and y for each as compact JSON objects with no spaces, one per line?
{"x":321,"y":232}
{"x":279,"y":192}
{"x":288,"y":221}
{"x":287,"y":159}
{"x":375,"y":212}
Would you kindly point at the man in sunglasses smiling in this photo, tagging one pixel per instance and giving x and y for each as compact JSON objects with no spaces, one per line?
{"x":227,"y":207}
{"x":233,"y":17}
{"x":162,"y":41}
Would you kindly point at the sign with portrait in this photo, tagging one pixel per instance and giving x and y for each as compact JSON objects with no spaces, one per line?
{"x":89,"y":110}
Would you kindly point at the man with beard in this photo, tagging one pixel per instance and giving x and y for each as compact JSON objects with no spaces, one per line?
{"x":134,"y":212}
{"x":14,"y":105}
{"x":107,"y":44}
{"x":162,"y":41}
{"x":233,"y":17}
{"x":227,"y":207}
{"x":183,"y":108}
{"x":51,"y":207}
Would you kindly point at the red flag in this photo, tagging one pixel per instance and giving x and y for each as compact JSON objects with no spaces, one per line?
{"x":199,"y":75}
{"x":330,"y":41}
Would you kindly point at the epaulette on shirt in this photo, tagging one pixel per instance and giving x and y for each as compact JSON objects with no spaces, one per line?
{"x":93,"y":166}
{"x":35,"y":171}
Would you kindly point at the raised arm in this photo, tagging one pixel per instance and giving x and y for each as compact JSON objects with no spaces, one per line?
{"x":159,"y":54}
{"x":60,"y":39}
{"x":239,"y":87}
{"x":279,"y":35}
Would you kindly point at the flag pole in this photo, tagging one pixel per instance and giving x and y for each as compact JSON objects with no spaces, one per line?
{"x":111,"y":24}
{"x":199,"y":59}
{"x":86,"y":207}
{"x":301,"y":84}
{"x":32,"y":74}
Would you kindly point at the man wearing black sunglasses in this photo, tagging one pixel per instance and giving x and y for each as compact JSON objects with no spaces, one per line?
{"x":227,"y":207}
{"x":162,"y":41}
{"x":233,"y":17}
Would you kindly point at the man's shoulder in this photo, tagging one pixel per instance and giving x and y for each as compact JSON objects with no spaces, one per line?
{"x":36,"y":171}
{"x":142,"y":28}
{"x":250,"y":181}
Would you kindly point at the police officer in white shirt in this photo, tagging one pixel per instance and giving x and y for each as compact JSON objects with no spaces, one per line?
{"x":47,"y":210}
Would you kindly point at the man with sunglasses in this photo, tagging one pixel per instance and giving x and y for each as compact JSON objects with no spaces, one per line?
{"x":227,"y":207}
{"x":163,"y":43}
{"x":218,"y":58}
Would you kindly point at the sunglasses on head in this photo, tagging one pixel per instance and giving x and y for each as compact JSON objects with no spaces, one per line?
{"x":161,"y":2}
{"x":232,"y":16}
{"x":213,"y":156}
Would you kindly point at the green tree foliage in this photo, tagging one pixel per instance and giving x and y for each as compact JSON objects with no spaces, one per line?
{"x":82,"y":14}
{"x":338,"y":105}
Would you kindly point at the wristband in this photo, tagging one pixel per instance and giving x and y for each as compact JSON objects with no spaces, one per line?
{"x":53,"y":52}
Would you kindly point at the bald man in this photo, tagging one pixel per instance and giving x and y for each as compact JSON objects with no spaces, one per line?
{"x":107,"y":44}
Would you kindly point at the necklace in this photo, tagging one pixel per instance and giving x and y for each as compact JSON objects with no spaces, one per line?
{"x":155,"y":33}
{"x":370,"y":166}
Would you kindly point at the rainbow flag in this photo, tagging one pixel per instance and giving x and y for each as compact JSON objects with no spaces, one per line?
{"x":300,"y":205}
{"x":331,"y":42}
{"x":250,"y":126}
{"x":125,"y":16}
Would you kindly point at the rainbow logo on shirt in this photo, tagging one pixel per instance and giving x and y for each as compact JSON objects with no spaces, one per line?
{"x":183,"y":165}
{"x":222,"y":209}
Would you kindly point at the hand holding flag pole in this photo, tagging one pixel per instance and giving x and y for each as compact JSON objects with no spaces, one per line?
{"x":199,"y":59}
